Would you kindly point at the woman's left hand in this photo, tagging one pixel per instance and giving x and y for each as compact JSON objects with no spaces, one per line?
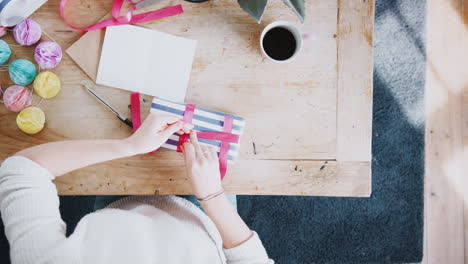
{"x":154,"y":131}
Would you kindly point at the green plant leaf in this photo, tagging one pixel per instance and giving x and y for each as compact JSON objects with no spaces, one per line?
{"x":298,"y":6}
{"x":254,"y":8}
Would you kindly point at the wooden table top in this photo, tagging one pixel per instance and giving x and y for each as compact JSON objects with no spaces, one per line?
{"x":308,"y":121}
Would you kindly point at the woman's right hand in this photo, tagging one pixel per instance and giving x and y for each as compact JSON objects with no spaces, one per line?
{"x":202,"y":167}
{"x":155,"y":131}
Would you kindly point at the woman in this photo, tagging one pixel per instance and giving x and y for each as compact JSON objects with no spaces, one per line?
{"x":138,"y":229}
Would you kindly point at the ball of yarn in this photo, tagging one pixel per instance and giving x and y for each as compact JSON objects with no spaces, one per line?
{"x":27,"y":32}
{"x":22,"y":72}
{"x":5,"y":52}
{"x":16,"y":98}
{"x":47,"y":84}
{"x":31,"y":120}
{"x":3,"y":31}
{"x":48,"y":54}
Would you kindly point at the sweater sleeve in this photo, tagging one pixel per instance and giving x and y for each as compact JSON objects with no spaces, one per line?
{"x":29,"y":207}
{"x":249,"y":252}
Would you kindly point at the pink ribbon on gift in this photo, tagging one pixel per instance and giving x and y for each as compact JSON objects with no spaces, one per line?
{"x":224,"y":137}
{"x":135,"y":113}
{"x":129,"y":18}
{"x":135,"y":110}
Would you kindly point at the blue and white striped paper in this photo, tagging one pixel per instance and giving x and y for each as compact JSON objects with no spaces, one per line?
{"x":204,"y":120}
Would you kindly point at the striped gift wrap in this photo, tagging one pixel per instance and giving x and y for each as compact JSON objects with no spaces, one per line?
{"x":204,"y":120}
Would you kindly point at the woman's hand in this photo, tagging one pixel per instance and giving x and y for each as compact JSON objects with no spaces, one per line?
{"x":202,"y":167}
{"x":154,"y":131}
{"x":203,"y":171}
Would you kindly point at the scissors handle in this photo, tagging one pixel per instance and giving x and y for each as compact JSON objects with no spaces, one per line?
{"x":126,"y":121}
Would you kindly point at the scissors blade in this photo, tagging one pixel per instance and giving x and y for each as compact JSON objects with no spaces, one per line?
{"x":102,"y":101}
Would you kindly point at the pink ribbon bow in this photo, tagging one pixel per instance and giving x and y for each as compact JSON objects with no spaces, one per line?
{"x":129,"y":18}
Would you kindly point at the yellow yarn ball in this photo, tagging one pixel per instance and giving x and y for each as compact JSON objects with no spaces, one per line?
{"x":31,"y":120}
{"x":47,"y":84}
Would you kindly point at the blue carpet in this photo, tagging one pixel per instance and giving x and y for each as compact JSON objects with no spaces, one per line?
{"x":388,"y":226}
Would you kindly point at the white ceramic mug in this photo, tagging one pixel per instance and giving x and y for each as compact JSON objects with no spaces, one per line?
{"x":291,"y":28}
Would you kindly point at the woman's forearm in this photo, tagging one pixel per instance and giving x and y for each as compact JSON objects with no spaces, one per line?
{"x":65,"y":156}
{"x":230,"y":225}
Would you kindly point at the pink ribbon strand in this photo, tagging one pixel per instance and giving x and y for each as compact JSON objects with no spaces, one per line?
{"x":128,"y":19}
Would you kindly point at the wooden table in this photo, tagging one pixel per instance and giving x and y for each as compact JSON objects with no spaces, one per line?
{"x":308,"y":121}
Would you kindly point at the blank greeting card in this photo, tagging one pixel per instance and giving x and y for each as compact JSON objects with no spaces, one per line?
{"x":146,"y":61}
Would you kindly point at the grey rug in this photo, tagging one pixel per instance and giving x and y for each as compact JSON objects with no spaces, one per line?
{"x":388,"y":226}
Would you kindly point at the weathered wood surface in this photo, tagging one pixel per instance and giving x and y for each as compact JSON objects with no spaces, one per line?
{"x":230,"y":74}
{"x":446,"y":185}
{"x":355,"y":62}
{"x":291,"y":108}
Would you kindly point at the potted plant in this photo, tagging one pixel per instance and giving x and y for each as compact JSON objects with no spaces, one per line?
{"x":256,"y":8}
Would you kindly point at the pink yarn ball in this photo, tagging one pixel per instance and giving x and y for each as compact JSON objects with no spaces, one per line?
{"x":48,"y":54}
{"x":16,"y":98}
{"x":27,"y":32}
{"x":3,"y":31}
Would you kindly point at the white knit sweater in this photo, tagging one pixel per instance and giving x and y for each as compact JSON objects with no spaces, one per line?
{"x":139,"y":229}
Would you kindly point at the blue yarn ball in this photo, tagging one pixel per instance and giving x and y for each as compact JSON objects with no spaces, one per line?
{"x":5,"y":52}
{"x":22,"y":72}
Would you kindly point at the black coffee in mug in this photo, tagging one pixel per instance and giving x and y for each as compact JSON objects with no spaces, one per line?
{"x":279,"y":43}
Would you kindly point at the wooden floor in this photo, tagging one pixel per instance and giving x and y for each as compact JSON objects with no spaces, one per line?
{"x":446,"y":194}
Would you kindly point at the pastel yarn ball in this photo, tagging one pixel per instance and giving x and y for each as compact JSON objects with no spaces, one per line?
{"x":48,"y":54}
{"x":27,"y":32}
{"x":3,"y":31}
{"x":16,"y":98}
{"x":47,"y":84}
{"x":31,"y":120}
{"x":22,"y":72}
{"x":5,"y":52}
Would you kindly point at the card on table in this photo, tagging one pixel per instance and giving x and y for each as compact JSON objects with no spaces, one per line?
{"x":146,"y":61}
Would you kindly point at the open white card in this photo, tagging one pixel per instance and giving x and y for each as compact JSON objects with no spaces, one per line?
{"x":146,"y":61}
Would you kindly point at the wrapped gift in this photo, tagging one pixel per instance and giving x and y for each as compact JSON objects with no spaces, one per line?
{"x":216,"y":129}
